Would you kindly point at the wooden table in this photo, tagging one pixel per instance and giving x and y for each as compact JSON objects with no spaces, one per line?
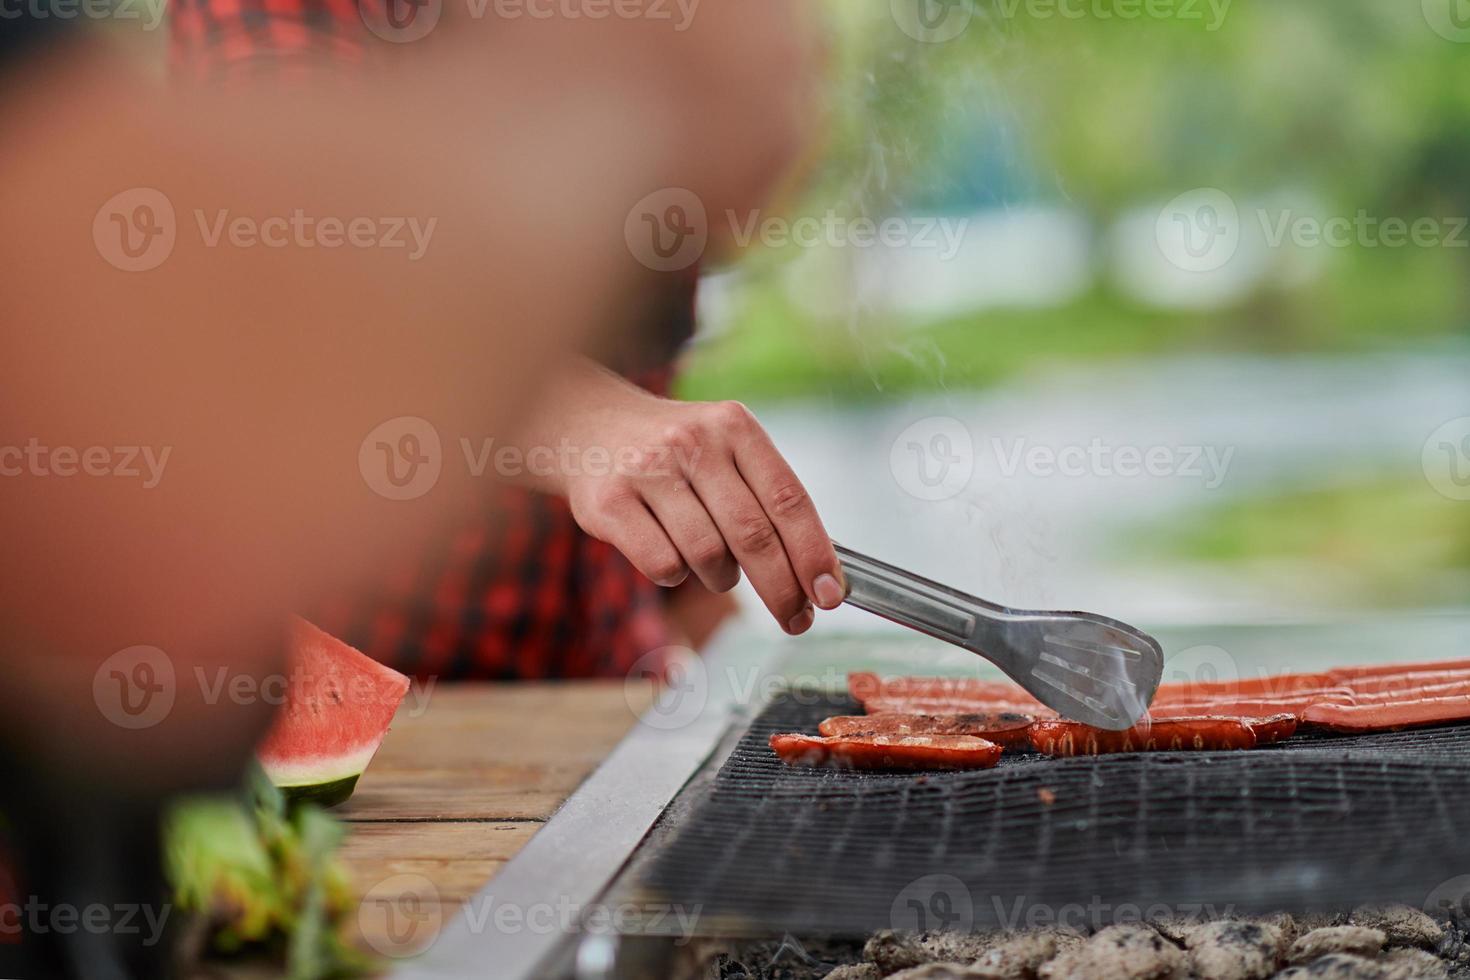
{"x":465,"y":777}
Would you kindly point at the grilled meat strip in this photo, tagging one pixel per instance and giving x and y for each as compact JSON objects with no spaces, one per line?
{"x":1005,"y":728}
{"x":1194,"y":734}
{"x":887,"y":752}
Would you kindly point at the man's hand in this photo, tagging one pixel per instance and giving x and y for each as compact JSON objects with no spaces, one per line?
{"x":686,"y":487}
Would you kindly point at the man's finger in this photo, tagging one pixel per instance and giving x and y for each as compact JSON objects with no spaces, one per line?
{"x":753,"y":540}
{"x":692,"y":530}
{"x":785,"y":501}
{"x":626,"y":523}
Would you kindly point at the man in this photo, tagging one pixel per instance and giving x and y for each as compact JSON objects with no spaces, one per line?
{"x":570,"y":573}
{"x":257,"y":371}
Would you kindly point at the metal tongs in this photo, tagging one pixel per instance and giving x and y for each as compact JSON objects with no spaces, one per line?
{"x":1086,"y":667}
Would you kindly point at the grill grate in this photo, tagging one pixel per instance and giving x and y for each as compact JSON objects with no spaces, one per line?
{"x":1311,"y":823}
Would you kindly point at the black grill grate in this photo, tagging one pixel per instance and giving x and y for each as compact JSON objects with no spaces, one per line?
{"x":1312,"y":823}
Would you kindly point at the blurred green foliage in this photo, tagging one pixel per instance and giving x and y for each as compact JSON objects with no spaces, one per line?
{"x":1358,"y":104}
{"x":261,"y":882}
{"x":1370,"y":544}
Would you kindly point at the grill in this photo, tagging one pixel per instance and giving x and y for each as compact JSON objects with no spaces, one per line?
{"x":1311,"y":823}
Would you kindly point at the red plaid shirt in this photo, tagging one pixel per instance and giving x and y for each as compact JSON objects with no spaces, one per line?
{"x":521,"y":592}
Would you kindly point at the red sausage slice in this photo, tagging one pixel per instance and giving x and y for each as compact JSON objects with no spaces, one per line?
{"x":1068,"y":738}
{"x":1271,"y":730}
{"x":1005,"y":728}
{"x":880,"y":752}
{"x":1361,"y":718}
{"x":911,"y":705}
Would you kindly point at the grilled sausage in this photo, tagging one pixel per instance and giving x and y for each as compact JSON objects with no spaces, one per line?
{"x":1005,"y":728}
{"x":1271,"y":730}
{"x":1349,"y":675}
{"x":865,"y":685}
{"x":953,"y":706}
{"x":1233,"y":709}
{"x":1357,"y":719}
{"x":887,"y":752}
{"x":1067,"y":738}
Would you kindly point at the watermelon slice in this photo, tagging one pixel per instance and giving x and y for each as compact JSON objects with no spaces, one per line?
{"x":339,"y":703}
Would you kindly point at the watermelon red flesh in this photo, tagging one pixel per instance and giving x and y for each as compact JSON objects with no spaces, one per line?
{"x":339,"y":703}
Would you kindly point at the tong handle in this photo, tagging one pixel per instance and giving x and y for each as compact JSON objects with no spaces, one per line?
{"x":906,"y":599}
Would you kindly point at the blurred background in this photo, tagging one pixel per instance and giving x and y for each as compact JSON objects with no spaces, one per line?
{"x":1159,"y":309}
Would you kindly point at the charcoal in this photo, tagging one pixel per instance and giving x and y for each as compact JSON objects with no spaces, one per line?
{"x":1337,"y":939}
{"x":1122,"y":952}
{"x":893,"y":951}
{"x":1020,"y":956}
{"x":1235,"y":950}
{"x":1338,"y":966}
{"x":1404,"y":926}
{"x":938,"y":971}
{"x":855,"y":971}
{"x":1414,"y":964}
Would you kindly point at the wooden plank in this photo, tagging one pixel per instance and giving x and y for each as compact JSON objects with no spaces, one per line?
{"x":493,"y":751}
{"x":464,"y":778}
{"x":456,"y":858}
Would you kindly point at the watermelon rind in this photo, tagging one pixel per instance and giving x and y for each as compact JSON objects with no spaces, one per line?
{"x":322,"y":794}
{"x":339,"y":706}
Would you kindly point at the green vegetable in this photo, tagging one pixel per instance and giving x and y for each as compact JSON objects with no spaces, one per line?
{"x":261,"y":880}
